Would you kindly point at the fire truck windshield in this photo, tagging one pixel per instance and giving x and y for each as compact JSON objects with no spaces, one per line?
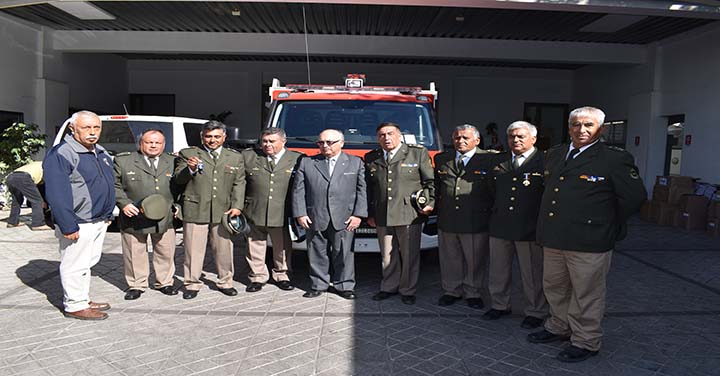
{"x":357,"y":119}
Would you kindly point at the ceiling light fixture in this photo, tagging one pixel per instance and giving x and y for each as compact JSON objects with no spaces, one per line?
{"x":82,"y":10}
{"x":611,"y":23}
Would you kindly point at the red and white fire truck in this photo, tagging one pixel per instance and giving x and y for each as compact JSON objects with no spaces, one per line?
{"x":355,"y":109}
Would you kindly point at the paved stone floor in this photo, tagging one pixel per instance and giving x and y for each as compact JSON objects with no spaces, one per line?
{"x":663,"y":318}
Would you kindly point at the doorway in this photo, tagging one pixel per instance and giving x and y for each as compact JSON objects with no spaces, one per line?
{"x":673,"y":146}
{"x":551,"y":122}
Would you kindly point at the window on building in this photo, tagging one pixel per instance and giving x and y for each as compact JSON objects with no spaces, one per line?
{"x":615,"y":133}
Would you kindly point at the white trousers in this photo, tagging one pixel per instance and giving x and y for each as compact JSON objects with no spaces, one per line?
{"x":76,"y":259}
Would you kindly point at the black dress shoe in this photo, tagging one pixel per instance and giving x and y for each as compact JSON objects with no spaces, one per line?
{"x":168,"y":290}
{"x":476,"y":303}
{"x":312,"y":294}
{"x":494,"y":314}
{"x":230,"y":291}
{"x":189,"y":294}
{"x":254,"y":287}
{"x":408,"y":299}
{"x":531,"y":322}
{"x":544,"y":336}
{"x":447,"y":300}
{"x":285,"y":285}
{"x":132,"y":294}
{"x":382,"y":295}
{"x":346,"y":294}
{"x":574,"y":354}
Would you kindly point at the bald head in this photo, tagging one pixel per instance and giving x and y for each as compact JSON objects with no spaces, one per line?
{"x":330,"y":142}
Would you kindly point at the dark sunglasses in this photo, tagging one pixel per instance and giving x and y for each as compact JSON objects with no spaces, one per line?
{"x":329,"y":143}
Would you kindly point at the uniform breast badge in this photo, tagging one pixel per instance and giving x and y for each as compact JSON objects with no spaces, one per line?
{"x":526,"y":177}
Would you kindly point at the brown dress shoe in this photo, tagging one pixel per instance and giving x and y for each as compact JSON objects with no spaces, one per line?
{"x":86,"y":314}
{"x":99,"y":306}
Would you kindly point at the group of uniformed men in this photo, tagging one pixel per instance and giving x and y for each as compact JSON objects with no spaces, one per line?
{"x":560,"y":212}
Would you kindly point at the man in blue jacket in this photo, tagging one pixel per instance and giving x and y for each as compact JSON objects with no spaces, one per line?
{"x":81,"y":194}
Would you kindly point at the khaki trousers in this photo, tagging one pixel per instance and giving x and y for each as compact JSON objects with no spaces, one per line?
{"x":196,"y":239}
{"x":257,"y":248}
{"x":400,"y":249}
{"x":574,"y":285}
{"x":530,"y":260}
{"x":463,"y":263}
{"x":137,"y":266}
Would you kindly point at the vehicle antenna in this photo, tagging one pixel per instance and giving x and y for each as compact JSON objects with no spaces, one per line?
{"x":307,"y":49}
{"x":126,"y":111}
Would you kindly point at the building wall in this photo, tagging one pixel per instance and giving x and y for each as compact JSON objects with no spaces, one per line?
{"x":690,"y":84}
{"x":682,"y":77}
{"x":97,"y":82}
{"x":19,"y":44}
{"x":468,"y":95}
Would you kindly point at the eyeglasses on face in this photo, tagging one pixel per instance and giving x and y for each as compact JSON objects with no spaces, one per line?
{"x":329,"y":143}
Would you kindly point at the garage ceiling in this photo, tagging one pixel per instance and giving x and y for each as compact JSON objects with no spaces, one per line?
{"x":629,"y":26}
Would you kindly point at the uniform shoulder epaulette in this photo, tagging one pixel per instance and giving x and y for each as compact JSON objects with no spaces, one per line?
{"x":615,"y":148}
{"x":492,"y":151}
{"x":123,"y":154}
{"x":417,"y":146}
{"x":232,"y":150}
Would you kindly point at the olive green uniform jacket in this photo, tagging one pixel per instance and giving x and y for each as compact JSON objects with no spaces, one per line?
{"x":390,"y":186}
{"x":463,"y":194}
{"x":135,"y":180}
{"x":219,"y":188}
{"x":517,"y":194}
{"x":267,"y":202}
{"x":588,"y":200}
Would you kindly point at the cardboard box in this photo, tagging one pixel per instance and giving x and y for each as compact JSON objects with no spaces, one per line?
{"x":655,"y":211}
{"x":713,"y":227}
{"x":676,"y":193}
{"x":713,"y":210}
{"x":645,"y":211}
{"x":698,"y":205}
{"x":661,"y":193}
{"x":690,"y":221}
{"x":674,"y":180}
{"x":667,"y":214}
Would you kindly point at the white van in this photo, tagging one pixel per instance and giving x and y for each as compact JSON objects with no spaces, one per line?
{"x":120,"y":132}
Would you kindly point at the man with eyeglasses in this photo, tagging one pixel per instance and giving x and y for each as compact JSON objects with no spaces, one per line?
{"x":329,"y":202}
{"x":591,"y":189}
{"x":395,"y":172}
{"x":214,"y":179}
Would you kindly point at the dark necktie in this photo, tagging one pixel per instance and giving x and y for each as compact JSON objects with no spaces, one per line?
{"x":271,"y":163}
{"x":459,"y":165}
{"x":151,"y":161}
{"x":572,"y":154}
{"x":214,"y":154}
{"x":516,"y":162}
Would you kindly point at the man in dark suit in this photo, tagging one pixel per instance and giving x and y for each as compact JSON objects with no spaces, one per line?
{"x":395,"y":172}
{"x":214,"y":179}
{"x":329,"y":202}
{"x":590,"y":191}
{"x":268,"y":174}
{"x":517,"y":185}
{"x":138,"y":175}
{"x":463,"y":207}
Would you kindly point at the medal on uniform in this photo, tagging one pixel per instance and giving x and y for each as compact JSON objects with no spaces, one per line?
{"x":526,"y":176}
